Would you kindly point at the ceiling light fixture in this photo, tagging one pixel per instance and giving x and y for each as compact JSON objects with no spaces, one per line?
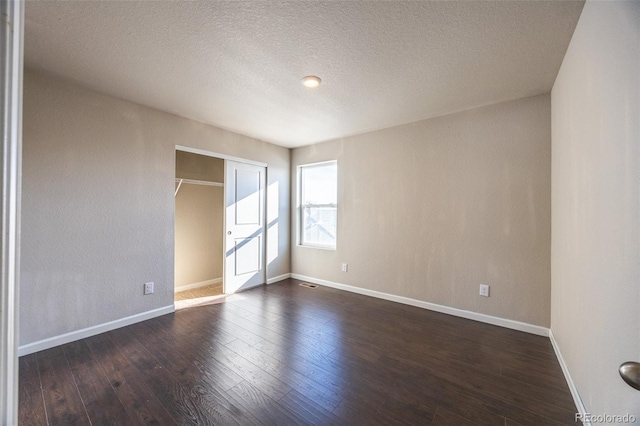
{"x":311,"y":81}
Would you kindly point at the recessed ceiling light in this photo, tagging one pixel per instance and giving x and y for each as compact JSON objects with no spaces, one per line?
{"x":311,"y":81}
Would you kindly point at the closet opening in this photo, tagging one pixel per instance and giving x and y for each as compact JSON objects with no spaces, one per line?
{"x":220,"y":226}
{"x":199,"y":229}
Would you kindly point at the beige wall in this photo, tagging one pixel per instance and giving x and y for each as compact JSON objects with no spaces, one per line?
{"x":199,"y":233}
{"x":596,"y":208}
{"x":199,"y":167}
{"x":98,"y":205}
{"x":431,"y":210}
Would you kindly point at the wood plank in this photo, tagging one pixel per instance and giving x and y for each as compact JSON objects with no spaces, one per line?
{"x":206,"y":379}
{"x":187,"y":361}
{"x":175,"y":399}
{"x":62,"y":401}
{"x":140,"y":402}
{"x":252,"y":374}
{"x":487,"y":397}
{"x":326,"y":397}
{"x":358,"y":411}
{"x":308,"y":409}
{"x":31,"y":409}
{"x":261,"y":406}
{"x":447,"y":418}
{"x":101,"y":402}
{"x":398,"y":412}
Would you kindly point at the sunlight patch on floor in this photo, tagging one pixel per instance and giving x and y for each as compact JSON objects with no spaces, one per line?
{"x":202,"y":296}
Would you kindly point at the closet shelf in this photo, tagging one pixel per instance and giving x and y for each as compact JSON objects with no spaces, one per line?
{"x":195,"y":182}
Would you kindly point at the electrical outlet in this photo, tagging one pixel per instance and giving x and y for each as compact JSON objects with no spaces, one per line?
{"x":148,"y":288}
{"x":345,"y":267}
{"x":484,"y":290}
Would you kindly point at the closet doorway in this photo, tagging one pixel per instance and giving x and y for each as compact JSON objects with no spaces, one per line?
{"x":199,"y":229}
{"x":220,"y":226}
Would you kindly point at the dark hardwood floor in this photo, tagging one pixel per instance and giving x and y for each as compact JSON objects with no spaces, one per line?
{"x":288,"y":355}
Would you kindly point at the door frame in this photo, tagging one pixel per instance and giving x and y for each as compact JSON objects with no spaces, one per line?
{"x":11,"y":64}
{"x":217,"y":155}
{"x":226,"y":158}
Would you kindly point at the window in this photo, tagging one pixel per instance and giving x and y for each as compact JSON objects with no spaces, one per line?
{"x":318,"y":185}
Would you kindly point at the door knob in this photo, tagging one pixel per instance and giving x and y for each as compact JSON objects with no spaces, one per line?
{"x":630,"y":372}
{"x":228,"y":232}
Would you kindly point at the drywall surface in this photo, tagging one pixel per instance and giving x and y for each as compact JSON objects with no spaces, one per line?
{"x":433,"y":209}
{"x":199,"y":234}
{"x":596,"y":209}
{"x":98,"y":205}
{"x":199,"y":167}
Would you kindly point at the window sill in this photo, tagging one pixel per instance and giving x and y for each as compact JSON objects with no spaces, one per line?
{"x":327,"y":248}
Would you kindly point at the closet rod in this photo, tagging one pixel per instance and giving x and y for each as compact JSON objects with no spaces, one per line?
{"x":195,"y":182}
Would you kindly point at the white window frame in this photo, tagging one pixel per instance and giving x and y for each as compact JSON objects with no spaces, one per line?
{"x":301,"y":207}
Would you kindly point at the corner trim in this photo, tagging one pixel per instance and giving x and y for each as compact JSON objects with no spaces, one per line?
{"x":278,"y":278}
{"x":502,"y":322}
{"x":197,"y":285}
{"x":572,"y":387}
{"x":92,"y":331}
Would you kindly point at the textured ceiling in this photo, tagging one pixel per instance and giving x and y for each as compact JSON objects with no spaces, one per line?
{"x":238,"y":65}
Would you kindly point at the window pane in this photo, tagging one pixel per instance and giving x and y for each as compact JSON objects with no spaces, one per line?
{"x":319,"y":184}
{"x":319,"y":198}
{"x":319,"y":225}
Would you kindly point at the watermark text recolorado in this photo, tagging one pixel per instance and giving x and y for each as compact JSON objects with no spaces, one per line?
{"x":605,"y":418}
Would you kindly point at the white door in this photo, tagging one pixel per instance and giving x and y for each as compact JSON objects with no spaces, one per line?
{"x":244,"y":226}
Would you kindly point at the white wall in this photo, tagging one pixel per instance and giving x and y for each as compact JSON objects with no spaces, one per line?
{"x":98,"y":205}
{"x":432,"y":209}
{"x":596,"y":209}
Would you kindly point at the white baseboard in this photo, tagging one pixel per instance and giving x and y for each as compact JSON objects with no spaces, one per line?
{"x":219,"y":280}
{"x":197,"y":285}
{"x":502,"y":322}
{"x":92,"y":331}
{"x":572,"y":387}
{"x":278,"y":278}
